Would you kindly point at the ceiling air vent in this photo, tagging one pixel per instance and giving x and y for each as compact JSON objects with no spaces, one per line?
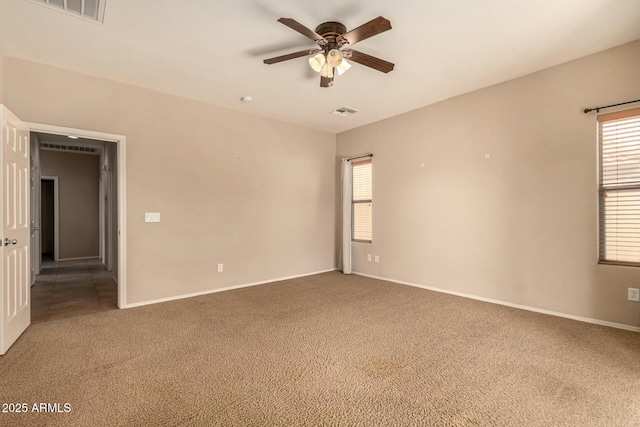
{"x":92,"y":10}
{"x":68,"y":148}
{"x":344,"y":112}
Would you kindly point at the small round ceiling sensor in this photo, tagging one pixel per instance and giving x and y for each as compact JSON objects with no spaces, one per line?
{"x":246,"y":99}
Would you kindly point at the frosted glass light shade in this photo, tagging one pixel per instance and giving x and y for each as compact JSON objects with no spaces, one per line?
{"x":334,"y":57}
{"x":343,"y":67}
{"x":316,"y":62}
{"x":327,"y":70}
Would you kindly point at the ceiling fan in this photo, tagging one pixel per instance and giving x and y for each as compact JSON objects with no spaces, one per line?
{"x":334,"y":47}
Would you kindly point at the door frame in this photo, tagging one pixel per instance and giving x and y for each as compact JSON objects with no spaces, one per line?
{"x":56,"y":217}
{"x":106,"y":206}
{"x":36,"y":250}
{"x":120,"y":141}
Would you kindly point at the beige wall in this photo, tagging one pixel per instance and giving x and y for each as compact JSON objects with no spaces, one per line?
{"x":518,"y":226}
{"x":233,"y":188}
{"x":78,"y":186}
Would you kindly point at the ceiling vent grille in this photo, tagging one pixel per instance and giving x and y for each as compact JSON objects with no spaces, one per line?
{"x":344,"y":112}
{"x":68,"y":148}
{"x":91,"y":10}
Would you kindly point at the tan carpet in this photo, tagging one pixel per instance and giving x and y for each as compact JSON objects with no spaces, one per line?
{"x":324,"y":350}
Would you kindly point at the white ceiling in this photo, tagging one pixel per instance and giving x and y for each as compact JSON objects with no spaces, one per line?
{"x":212,"y":50}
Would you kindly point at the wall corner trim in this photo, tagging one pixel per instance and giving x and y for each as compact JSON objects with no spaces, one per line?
{"x":228,"y":288}
{"x":508,"y":304}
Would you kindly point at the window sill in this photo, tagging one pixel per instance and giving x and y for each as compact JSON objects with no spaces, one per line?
{"x":619,"y":263}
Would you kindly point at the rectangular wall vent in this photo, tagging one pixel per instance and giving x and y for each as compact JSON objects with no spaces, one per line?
{"x":344,"y":112}
{"x":68,"y":148}
{"x":92,"y":10}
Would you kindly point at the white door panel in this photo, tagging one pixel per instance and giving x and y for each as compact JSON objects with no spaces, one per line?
{"x":15,"y":301}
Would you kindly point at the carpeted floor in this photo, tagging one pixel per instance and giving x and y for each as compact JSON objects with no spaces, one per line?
{"x":324,"y":350}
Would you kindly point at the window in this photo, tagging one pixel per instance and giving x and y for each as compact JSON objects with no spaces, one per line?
{"x":361,"y":219}
{"x":619,"y":188}
{"x":88,"y":9}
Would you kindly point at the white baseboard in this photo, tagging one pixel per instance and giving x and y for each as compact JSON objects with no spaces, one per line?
{"x":229,"y":288}
{"x":508,"y":304}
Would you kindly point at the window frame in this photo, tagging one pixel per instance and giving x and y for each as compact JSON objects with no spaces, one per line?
{"x":362,"y":201}
{"x":602,"y":188}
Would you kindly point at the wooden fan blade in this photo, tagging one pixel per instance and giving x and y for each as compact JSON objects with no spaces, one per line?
{"x":370,"y":29}
{"x":293,"y":55}
{"x":370,"y":61}
{"x":295,"y":25}
{"x":326,"y":81}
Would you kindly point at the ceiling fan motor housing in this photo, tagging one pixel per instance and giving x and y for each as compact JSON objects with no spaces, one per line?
{"x":331,"y":31}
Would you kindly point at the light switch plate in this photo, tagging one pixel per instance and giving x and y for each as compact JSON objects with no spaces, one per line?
{"x":152,"y":217}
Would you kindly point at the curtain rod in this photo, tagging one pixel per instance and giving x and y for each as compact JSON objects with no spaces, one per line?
{"x":597,"y":109}
{"x":360,"y":157}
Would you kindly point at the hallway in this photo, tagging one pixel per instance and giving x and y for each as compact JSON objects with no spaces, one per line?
{"x":72,"y":288}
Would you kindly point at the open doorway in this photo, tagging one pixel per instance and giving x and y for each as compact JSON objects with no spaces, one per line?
{"x":47,"y":218}
{"x":74,"y":202}
{"x":21,"y":192}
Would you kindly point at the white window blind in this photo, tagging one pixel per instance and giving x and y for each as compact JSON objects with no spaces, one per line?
{"x":362,"y":201}
{"x":92,"y":10}
{"x":619,"y":189}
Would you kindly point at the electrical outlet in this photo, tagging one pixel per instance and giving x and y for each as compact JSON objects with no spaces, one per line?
{"x":220,"y":268}
{"x":369,"y":257}
{"x":377,"y":258}
{"x":634,"y":294}
{"x":152,"y":217}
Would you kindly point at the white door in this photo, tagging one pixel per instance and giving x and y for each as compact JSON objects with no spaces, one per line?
{"x":15,"y":304}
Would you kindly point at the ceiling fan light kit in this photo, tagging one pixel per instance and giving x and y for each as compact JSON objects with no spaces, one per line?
{"x":334,"y":57}
{"x":327,"y":71}
{"x":344,"y":66}
{"x":316,"y":62}
{"x":334,"y":41}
